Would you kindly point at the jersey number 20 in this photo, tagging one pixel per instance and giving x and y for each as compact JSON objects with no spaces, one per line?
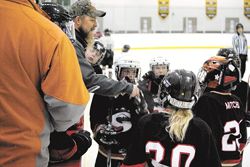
{"x":177,"y":151}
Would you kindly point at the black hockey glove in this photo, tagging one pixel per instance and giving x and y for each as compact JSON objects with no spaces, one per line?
{"x":61,"y":148}
{"x":149,"y":75}
{"x":83,"y":142}
{"x":105,"y":135}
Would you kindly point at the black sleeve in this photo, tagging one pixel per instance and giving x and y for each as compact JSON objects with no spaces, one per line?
{"x":209,"y":152}
{"x":204,"y":108}
{"x":108,"y":87}
{"x":243,"y":132}
{"x":136,"y":153}
{"x":243,"y":129}
{"x":99,"y":110}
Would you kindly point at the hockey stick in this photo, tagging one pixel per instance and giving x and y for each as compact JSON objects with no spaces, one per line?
{"x":110,"y":129}
{"x":246,"y":104}
{"x":247,"y":99}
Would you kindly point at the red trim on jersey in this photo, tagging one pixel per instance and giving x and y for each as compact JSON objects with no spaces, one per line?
{"x":63,"y":155}
{"x":242,"y":146}
{"x":231,"y":162}
{"x":136,"y":165}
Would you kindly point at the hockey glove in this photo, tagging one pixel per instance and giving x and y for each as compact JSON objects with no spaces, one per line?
{"x":105,"y":135}
{"x":83,"y":142}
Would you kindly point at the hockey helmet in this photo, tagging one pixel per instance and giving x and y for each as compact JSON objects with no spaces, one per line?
{"x":60,"y":16}
{"x":219,"y":73}
{"x":156,"y":61}
{"x":178,"y":89}
{"x":125,"y":48}
{"x":127,"y":63}
{"x":229,"y":53}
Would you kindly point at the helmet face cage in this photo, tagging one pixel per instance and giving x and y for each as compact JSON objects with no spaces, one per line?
{"x":224,"y":72}
{"x":177,"y":90}
{"x":100,"y":49}
{"x":128,"y":64}
{"x":69,"y":29}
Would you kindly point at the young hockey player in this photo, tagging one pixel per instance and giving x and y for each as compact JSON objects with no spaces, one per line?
{"x":175,"y":137}
{"x":223,"y":111}
{"x":242,"y":87}
{"x":74,"y":142}
{"x":159,"y":66}
{"x":95,"y":54}
{"x":113,"y":119}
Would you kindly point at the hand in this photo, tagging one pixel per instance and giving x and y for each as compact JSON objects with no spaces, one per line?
{"x":105,"y":135}
{"x":135,"y":92}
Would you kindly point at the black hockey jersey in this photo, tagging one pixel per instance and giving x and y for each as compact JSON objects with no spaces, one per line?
{"x":225,"y":116}
{"x":125,"y":115}
{"x":154,"y":145}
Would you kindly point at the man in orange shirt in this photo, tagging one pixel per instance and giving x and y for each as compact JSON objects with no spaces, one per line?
{"x":41,"y":87}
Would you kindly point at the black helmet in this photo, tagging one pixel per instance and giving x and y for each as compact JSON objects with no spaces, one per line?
{"x":60,"y":16}
{"x":178,"y":89}
{"x":107,"y":32}
{"x":219,"y":73}
{"x":229,"y":53}
{"x":239,"y":25}
{"x":56,"y":12}
{"x":125,"y":48}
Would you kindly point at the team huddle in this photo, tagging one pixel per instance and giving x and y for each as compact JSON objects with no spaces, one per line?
{"x":178,"y":119}
{"x":163,"y":118}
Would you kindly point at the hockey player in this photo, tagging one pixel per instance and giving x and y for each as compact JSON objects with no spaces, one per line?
{"x":84,"y":16}
{"x":60,"y":16}
{"x":74,"y":142}
{"x":95,"y":54}
{"x":241,"y":89}
{"x":174,"y":137}
{"x":223,"y":111}
{"x":113,"y":120}
{"x":159,"y":66}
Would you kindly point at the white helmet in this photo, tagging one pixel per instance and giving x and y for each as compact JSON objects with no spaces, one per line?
{"x":158,"y":61}
{"x":127,"y":62}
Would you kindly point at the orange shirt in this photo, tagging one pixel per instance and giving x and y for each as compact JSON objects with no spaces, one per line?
{"x":36,"y":59}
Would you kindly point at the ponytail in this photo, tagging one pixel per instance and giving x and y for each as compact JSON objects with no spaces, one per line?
{"x":178,"y":123}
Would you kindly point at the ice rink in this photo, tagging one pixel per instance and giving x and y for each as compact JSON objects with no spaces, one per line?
{"x":187,"y":51}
